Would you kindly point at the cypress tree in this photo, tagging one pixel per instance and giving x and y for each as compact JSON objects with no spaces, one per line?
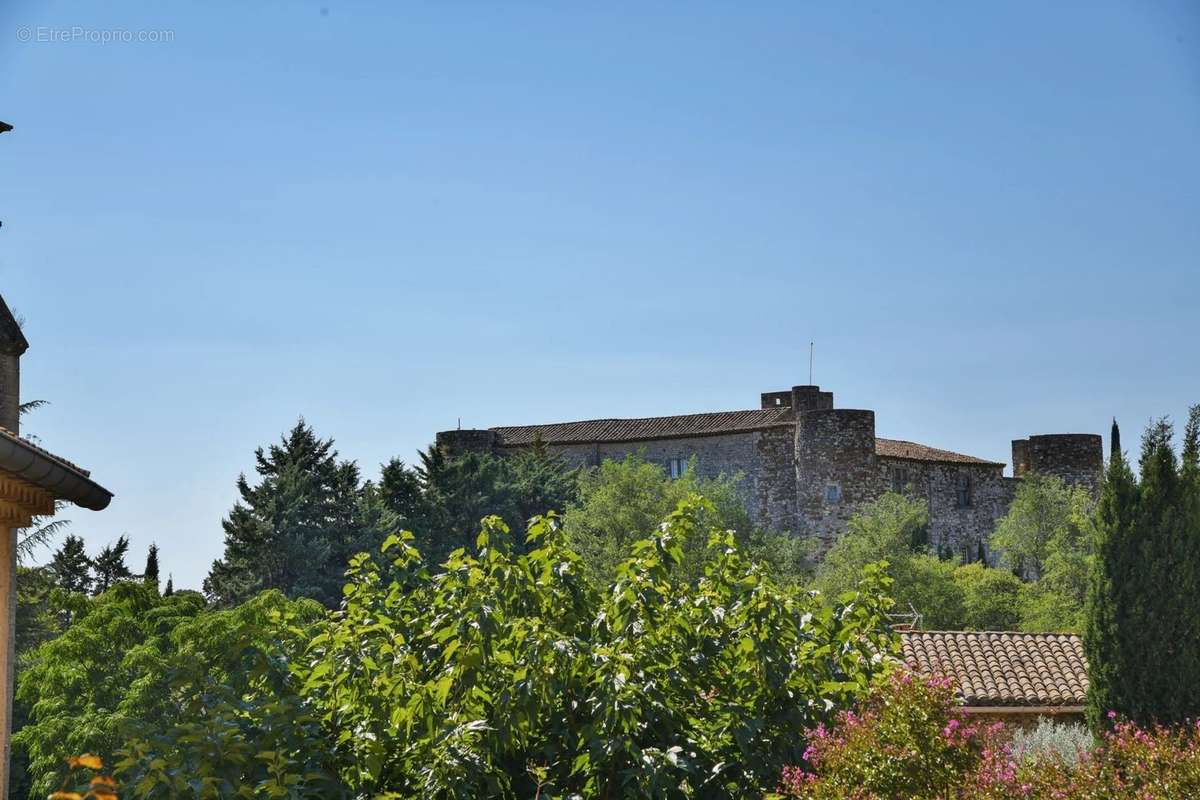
{"x":71,"y":566}
{"x":1114,"y":441}
{"x":1105,"y":623}
{"x":150,"y":574}
{"x":170,"y":590}
{"x":1142,"y":635}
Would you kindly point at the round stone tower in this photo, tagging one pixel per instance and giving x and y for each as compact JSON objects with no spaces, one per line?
{"x":1077,"y":458}
{"x":459,"y":442}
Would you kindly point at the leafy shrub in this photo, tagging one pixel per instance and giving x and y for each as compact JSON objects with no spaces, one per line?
{"x":102,"y":672}
{"x":620,"y":500}
{"x":509,"y":674}
{"x":181,"y":701}
{"x":239,"y":720}
{"x":1050,"y":739}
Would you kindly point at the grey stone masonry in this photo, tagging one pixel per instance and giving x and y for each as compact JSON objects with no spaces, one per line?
{"x":807,"y":467}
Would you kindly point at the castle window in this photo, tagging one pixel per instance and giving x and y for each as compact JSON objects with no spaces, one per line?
{"x":676,"y":467}
{"x":964,"y":490}
{"x":900,"y":479}
{"x":833,"y":493}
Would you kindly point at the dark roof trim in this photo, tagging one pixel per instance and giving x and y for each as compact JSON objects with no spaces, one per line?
{"x":47,"y":471}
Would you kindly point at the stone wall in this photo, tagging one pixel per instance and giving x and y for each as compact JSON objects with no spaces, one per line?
{"x":953,"y":527}
{"x":764,"y":459}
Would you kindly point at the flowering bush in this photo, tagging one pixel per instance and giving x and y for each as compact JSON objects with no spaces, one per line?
{"x":909,"y":739}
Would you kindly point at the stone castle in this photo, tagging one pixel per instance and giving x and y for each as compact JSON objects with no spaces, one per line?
{"x":808,"y":466}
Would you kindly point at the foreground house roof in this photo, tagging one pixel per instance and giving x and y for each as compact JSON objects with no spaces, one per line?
{"x":41,"y":477}
{"x":994,"y":669}
{"x":687,"y":425}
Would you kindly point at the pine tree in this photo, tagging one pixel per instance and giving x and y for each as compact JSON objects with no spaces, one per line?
{"x":400,"y":491}
{"x":71,"y":566}
{"x":297,"y":527}
{"x":110,"y":565}
{"x":150,"y":574}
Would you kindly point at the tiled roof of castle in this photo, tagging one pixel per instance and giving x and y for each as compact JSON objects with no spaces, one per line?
{"x":651,"y":428}
{"x":896,"y":448}
{"x":1003,"y":669}
{"x":646,"y":428}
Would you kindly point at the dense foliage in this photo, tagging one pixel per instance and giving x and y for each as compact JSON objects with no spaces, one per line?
{"x":1143,"y":625}
{"x":137,"y":666}
{"x":619,"y":500}
{"x":508,"y":674}
{"x":949,"y":595}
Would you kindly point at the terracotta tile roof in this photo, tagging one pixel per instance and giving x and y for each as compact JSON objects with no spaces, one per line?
{"x":675,"y":427}
{"x":1003,"y":669}
{"x":7,"y":434}
{"x":646,"y":428}
{"x":896,"y":448}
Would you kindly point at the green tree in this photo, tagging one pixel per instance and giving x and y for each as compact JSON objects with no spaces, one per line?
{"x":297,"y":527}
{"x":239,"y":724}
{"x":618,"y":500}
{"x":1044,"y":519}
{"x":543,"y":481}
{"x":71,"y":565}
{"x":400,"y":491}
{"x":1142,"y":634}
{"x":925,"y":583}
{"x":993,"y":599}
{"x":150,"y":573}
{"x":170,"y":590}
{"x":508,"y":675}
{"x":81,"y":687}
{"x":110,"y":566}
{"x":458,"y":492}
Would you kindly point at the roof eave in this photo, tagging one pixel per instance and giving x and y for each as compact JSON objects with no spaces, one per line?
{"x":51,"y":474}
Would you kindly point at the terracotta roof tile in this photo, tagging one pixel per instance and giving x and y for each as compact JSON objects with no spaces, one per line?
{"x":646,"y":428}
{"x":1003,"y":669}
{"x":679,"y":426}
{"x":6,"y":433}
{"x":896,"y":448}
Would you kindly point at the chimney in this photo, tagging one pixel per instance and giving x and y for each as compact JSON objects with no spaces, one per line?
{"x":12,"y":346}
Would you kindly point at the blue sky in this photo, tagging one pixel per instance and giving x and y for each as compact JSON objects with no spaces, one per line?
{"x":389,"y":216}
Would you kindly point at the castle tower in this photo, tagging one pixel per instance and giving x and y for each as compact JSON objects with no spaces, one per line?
{"x":836,"y":469}
{"x":1077,"y":458}
{"x":460,"y":442}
